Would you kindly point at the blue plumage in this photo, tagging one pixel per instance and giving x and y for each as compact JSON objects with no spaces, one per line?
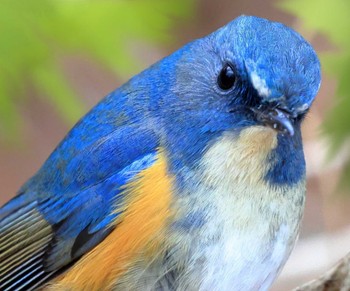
{"x":252,"y":74}
{"x":78,"y":189}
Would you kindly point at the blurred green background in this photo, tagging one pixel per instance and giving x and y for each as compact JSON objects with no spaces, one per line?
{"x":60,"y":57}
{"x":37,"y":34}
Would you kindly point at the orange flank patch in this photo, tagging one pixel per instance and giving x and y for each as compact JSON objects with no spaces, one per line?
{"x":140,"y":230}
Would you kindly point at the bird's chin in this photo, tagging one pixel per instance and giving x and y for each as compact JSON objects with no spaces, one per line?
{"x":259,"y":138}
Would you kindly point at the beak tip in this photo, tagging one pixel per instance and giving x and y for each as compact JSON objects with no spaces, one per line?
{"x":290,"y":133}
{"x":278,"y":120}
{"x":288,"y":128}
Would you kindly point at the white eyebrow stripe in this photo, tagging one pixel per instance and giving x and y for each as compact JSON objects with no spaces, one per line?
{"x":259,"y":85}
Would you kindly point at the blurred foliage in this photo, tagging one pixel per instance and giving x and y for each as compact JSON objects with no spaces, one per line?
{"x":35,"y":34}
{"x":331,"y":18}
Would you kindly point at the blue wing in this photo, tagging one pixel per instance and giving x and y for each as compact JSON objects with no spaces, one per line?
{"x":70,"y":205}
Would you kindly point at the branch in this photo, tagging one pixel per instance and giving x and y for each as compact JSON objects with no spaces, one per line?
{"x":336,"y":279}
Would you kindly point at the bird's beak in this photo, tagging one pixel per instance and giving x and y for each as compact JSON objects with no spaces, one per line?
{"x":276,"y":118}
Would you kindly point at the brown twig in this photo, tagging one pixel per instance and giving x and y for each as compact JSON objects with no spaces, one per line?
{"x":336,"y":279}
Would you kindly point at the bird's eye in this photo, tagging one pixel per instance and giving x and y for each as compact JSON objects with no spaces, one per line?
{"x":226,"y":78}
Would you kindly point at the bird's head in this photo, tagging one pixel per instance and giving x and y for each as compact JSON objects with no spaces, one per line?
{"x":250,"y":72}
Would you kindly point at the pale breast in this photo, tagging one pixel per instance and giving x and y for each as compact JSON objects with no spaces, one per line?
{"x":249,"y":227}
{"x":232,"y":229}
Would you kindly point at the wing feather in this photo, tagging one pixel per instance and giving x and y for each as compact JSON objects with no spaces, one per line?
{"x":24,"y":237}
{"x":46,"y":228}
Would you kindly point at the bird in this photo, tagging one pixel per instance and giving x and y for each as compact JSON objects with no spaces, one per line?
{"x":190,"y":176}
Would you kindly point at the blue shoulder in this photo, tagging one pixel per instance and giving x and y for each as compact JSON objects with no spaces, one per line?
{"x":78,"y":190}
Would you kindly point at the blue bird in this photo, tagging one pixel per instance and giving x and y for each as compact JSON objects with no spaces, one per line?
{"x":191,"y":176}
